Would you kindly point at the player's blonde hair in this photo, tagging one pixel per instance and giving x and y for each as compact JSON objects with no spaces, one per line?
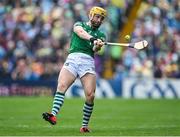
{"x":98,"y":10}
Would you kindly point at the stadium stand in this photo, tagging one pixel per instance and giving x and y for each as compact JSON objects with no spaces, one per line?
{"x":34,"y":38}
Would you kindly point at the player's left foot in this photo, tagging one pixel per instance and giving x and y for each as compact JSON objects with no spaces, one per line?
{"x":49,"y":117}
{"x":84,"y":130}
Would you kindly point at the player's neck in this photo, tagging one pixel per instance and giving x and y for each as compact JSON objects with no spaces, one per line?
{"x":89,"y":24}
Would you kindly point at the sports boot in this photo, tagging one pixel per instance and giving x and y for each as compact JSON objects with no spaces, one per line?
{"x":49,"y":117}
{"x":84,"y":129}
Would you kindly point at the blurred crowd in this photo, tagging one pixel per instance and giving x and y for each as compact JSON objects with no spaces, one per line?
{"x":35,"y":34}
{"x":158,"y":22}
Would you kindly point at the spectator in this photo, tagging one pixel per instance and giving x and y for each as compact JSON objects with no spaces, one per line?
{"x":34,"y":37}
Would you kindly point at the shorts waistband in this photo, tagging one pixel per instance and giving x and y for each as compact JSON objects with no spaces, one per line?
{"x":80,"y":55}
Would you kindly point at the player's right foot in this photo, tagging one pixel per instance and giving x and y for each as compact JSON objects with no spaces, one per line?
{"x":49,"y":117}
{"x":84,"y":130}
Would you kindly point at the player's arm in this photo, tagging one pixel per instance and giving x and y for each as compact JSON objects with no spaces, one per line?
{"x":82,"y":33}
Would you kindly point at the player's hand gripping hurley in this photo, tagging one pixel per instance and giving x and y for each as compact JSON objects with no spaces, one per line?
{"x":137,"y":45}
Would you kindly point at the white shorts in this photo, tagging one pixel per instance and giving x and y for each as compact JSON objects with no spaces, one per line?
{"x":79,"y":64}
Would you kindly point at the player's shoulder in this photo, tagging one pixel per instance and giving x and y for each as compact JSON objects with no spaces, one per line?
{"x":101,"y":34}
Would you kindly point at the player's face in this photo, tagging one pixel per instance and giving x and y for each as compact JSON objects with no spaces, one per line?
{"x":97,"y":20}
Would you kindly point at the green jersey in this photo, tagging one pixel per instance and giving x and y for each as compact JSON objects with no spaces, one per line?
{"x":84,"y":46}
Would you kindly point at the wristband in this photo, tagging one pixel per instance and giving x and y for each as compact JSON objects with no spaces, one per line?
{"x":92,"y":39}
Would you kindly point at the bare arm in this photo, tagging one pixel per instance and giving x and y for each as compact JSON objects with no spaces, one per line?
{"x":82,"y":33}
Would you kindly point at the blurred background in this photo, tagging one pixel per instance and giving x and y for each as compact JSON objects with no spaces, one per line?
{"x":35,"y":36}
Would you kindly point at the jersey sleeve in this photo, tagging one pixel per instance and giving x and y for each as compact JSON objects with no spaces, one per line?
{"x":78,"y":24}
{"x":102,"y":37}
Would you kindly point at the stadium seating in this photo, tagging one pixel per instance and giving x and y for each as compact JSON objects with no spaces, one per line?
{"x":34,"y":38}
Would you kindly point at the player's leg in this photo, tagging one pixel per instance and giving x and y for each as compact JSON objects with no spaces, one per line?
{"x":66,"y":78}
{"x":89,"y":84}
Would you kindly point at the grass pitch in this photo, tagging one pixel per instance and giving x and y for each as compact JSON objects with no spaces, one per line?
{"x":111,"y":117}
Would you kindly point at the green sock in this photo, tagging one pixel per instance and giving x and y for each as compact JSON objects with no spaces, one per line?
{"x":87,"y":111}
{"x":57,"y":103}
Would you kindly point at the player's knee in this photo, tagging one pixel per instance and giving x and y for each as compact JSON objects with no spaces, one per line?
{"x":90,"y":96}
{"x":62,"y":87}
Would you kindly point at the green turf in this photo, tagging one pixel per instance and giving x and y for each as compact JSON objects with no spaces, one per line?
{"x":118,"y":117}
